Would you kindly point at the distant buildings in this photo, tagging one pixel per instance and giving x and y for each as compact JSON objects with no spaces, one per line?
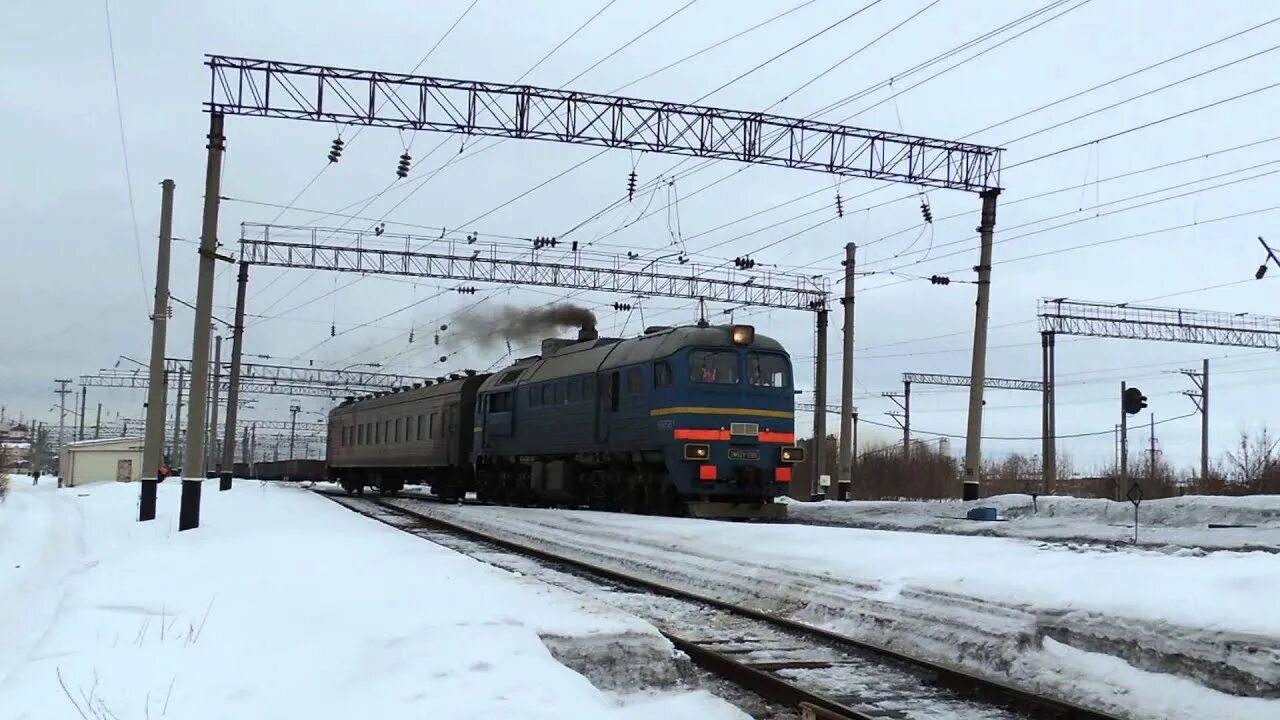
{"x":16,"y":441}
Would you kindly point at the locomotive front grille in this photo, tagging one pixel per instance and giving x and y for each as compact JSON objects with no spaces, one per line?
{"x":743,"y":428}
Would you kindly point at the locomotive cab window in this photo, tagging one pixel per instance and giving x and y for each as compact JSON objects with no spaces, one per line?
{"x":635,"y":381}
{"x":767,"y":370}
{"x":662,"y":374}
{"x":719,"y":367}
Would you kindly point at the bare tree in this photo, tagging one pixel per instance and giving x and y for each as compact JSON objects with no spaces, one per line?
{"x":1253,"y":461}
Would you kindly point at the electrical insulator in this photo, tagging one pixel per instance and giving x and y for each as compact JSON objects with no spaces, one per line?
{"x":168,"y":310}
{"x":379,"y":229}
{"x":1262,"y":270}
{"x":403,"y":168}
{"x":622,"y":307}
{"x":437,"y":338}
{"x":926,"y":212}
{"x":940,"y":280}
{"x":632,"y":255}
{"x":575,"y":246}
{"x":333,"y":329}
{"x":466,"y":291}
{"x":631,"y":186}
{"x":443,"y":328}
{"x":411,"y":337}
{"x":744,"y":263}
{"x":683,"y":259}
{"x":839,"y":206}
{"x":335,"y":152}
{"x":444,"y":358}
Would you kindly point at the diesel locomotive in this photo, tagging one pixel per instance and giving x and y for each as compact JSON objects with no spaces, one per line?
{"x":694,"y":420}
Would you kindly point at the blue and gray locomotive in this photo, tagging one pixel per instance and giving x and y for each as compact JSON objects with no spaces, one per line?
{"x":682,"y":420}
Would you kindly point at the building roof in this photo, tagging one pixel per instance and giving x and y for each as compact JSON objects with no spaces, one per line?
{"x":104,"y":443}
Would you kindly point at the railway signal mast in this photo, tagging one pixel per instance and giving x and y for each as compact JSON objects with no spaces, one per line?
{"x":1132,"y":401}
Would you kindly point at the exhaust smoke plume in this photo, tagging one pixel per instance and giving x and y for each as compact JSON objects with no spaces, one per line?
{"x":515,"y":325}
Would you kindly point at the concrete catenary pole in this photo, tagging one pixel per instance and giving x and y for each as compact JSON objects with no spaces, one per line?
{"x":293,"y":427}
{"x":1204,"y":423}
{"x":233,"y":388}
{"x":1048,"y":440}
{"x":97,"y":423}
{"x":84,"y":396}
{"x":189,"y":513}
{"x":211,"y":452}
{"x":819,"y":460}
{"x":845,"y":477}
{"x":978,"y":371}
{"x":62,"y":392}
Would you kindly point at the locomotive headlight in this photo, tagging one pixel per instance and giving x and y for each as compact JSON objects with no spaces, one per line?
{"x":792,"y":454}
{"x":743,"y":334}
{"x":697,"y":451}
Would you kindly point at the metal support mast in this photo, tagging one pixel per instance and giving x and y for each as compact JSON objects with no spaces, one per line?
{"x":233,"y":389}
{"x":97,"y":423}
{"x":189,"y":515}
{"x":293,"y":427}
{"x":1124,"y":446}
{"x":973,"y":438}
{"x":177,"y":423}
{"x":820,"y":403}
{"x":845,"y":477}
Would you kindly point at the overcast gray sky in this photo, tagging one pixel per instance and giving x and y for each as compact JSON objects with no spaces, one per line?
{"x":78,"y":298}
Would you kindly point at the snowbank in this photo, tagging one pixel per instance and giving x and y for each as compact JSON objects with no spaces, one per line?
{"x":1144,"y":634}
{"x":285,"y":605}
{"x":1251,"y":523}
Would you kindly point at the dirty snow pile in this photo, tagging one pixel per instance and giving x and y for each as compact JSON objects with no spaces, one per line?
{"x":1194,"y":521}
{"x":285,"y":605}
{"x":1140,"y":633}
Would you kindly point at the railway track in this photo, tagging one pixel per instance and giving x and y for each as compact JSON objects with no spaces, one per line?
{"x":807,"y":670}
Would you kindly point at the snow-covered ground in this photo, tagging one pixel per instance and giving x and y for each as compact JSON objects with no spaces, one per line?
{"x":1145,"y":634}
{"x":285,"y":605}
{"x":1248,"y":523}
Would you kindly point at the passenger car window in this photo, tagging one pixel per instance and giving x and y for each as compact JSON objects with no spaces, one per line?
{"x":397,"y":429}
{"x":767,"y":370}
{"x":422,"y":426}
{"x":559,"y":399}
{"x":571,"y":394}
{"x":714,"y":366}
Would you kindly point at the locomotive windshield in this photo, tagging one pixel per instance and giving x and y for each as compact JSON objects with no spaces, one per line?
{"x":767,"y":370}
{"x":714,"y":366}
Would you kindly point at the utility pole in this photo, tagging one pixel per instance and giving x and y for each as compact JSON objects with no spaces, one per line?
{"x":233,"y":388}
{"x":62,"y":392}
{"x":820,"y":403}
{"x":1200,"y":396}
{"x":845,"y":471}
{"x":177,"y":424}
{"x":84,"y":393}
{"x":1124,"y":445}
{"x":1151,"y":461}
{"x":978,"y":373}
{"x":211,"y":452}
{"x":153,"y":434}
{"x":293,"y":426}
{"x":97,"y":424}
{"x":1048,"y":431}
{"x":189,"y":513}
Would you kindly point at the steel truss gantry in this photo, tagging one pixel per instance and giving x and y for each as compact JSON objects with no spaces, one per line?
{"x":322,"y":93}
{"x":346,"y":251}
{"x":142,"y":382}
{"x":1141,"y":322}
{"x":347,"y":379}
{"x":964,"y":381}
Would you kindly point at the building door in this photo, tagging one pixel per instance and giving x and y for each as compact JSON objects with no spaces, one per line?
{"x":124,"y":470}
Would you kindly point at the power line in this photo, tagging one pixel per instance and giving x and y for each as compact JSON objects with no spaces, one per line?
{"x":124,"y":152}
{"x":567,"y":38}
{"x":802,"y":43}
{"x":1005,"y":437}
{"x":632,"y":41}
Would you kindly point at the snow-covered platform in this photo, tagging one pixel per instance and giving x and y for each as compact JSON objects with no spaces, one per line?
{"x":1143,"y":634}
{"x":283,"y":604}
{"x":1195,"y":521}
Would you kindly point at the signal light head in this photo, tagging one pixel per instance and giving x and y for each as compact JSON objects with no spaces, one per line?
{"x":1133,"y":401}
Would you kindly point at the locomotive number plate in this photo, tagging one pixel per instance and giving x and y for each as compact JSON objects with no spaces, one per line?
{"x":739,"y":454}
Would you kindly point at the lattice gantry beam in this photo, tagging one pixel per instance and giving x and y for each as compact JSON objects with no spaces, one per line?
{"x":314,"y":428}
{"x":1139,"y":322}
{"x":246,"y":388}
{"x":623,"y":275}
{"x":347,"y":379}
{"x":267,"y":88}
{"x":964,"y":381}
